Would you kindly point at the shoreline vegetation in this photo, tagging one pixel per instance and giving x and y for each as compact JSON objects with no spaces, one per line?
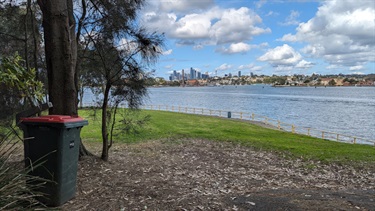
{"x":313,"y":80}
{"x":174,"y":126}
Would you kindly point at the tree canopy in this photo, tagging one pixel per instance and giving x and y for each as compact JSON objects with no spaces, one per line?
{"x":88,"y":42}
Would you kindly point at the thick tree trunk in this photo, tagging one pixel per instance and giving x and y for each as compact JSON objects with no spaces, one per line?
{"x":61,"y":55}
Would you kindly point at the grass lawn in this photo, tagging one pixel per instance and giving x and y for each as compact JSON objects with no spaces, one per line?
{"x":175,"y":126}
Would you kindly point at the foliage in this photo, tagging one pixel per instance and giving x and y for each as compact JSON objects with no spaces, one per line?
{"x":352,"y":81}
{"x":332,"y":82}
{"x":174,"y":126}
{"x":18,"y":189}
{"x":107,"y":46}
{"x":18,"y":87}
{"x":278,"y":80}
{"x":19,"y":23}
{"x":131,"y":122}
{"x":117,"y":54}
{"x":14,"y":75}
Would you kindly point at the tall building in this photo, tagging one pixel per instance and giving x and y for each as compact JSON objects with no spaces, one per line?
{"x":205,"y":76}
{"x":193,"y":73}
{"x":175,"y":76}
{"x":239,"y":73}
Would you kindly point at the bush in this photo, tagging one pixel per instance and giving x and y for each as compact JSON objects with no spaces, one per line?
{"x":18,"y":90}
{"x":17,"y":188}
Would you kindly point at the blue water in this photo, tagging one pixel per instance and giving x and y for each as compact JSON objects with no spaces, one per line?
{"x":344,"y":110}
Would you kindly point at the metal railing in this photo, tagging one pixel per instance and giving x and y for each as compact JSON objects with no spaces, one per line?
{"x":277,"y":124}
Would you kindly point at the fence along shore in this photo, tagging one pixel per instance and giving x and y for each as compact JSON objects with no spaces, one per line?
{"x":277,"y":124}
{"x":328,"y":135}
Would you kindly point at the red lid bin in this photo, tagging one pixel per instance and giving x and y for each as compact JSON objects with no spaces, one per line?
{"x":53,"y":140}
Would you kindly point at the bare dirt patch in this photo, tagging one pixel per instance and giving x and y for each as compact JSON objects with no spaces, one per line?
{"x":208,"y":175}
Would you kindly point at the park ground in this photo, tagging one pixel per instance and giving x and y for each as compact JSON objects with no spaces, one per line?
{"x":198,"y":174}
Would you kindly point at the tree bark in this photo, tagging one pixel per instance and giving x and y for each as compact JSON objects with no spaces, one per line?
{"x":105,"y":154}
{"x":61,"y":55}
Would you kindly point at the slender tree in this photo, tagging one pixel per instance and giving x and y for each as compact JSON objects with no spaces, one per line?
{"x":121,"y":54}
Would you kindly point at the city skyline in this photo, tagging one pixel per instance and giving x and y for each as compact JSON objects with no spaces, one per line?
{"x":264,"y":37}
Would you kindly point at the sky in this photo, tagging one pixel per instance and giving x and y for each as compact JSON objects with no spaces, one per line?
{"x":265,"y":37}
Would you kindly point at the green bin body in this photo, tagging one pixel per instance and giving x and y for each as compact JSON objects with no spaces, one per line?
{"x":53,"y":141}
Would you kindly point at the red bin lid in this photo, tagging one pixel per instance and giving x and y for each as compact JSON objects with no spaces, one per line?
{"x":53,"y":119}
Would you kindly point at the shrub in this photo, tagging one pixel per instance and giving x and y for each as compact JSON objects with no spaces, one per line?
{"x":17,"y":187}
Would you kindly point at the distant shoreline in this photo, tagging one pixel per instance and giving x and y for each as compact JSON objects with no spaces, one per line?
{"x":270,"y":85}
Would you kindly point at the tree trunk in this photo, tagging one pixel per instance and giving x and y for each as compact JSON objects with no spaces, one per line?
{"x":105,"y":154}
{"x":83,"y":151}
{"x":35,"y":41}
{"x":61,"y":55}
{"x":81,"y":92}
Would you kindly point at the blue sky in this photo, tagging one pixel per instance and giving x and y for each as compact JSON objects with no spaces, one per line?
{"x":264,"y":37}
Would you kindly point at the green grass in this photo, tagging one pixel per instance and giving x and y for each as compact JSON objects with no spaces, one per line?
{"x":174,"y":126}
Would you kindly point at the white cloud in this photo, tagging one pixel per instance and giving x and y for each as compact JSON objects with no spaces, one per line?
{"x":251,"y":67}
{"x":182,"y":6}
{"x":236,"y":48}
{"x":193,"y":26}
{"x":285,"y":69}
{"x":127,"y":45}
{"x":271,"y":13}
{"x":291,"y":19}
{"x":236,"y":25}
{"x":210,"y":27}
{"x":168,"y":52}
{"x":304,"y":64}
{"x":198,"y":47}
{"x":288,"y":38}
{"x":256,"y":68}
{"x":260,"y":3}
{"x":281,"y":55}
{"x":358,"y":67}
{"x":285,"y":58}
{"x":240,"y":47}
{"x":224,"y":66}
{"x":246,"y":67}
{"x":168,"y":67}
{"x":161,"y":22}
{"x":342,"y":33}
{"x":263,"y":45}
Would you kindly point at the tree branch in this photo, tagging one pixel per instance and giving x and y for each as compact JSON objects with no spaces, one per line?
{"x":80,"y":22}
{"x":13,"y":36}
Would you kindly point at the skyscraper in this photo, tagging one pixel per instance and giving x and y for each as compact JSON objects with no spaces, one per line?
{"x":193,"y":73}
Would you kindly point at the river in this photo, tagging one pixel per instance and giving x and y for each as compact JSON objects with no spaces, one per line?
{"x":344,"y":110}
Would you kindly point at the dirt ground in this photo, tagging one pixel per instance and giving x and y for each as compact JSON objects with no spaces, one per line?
{"x":208,"y":175}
